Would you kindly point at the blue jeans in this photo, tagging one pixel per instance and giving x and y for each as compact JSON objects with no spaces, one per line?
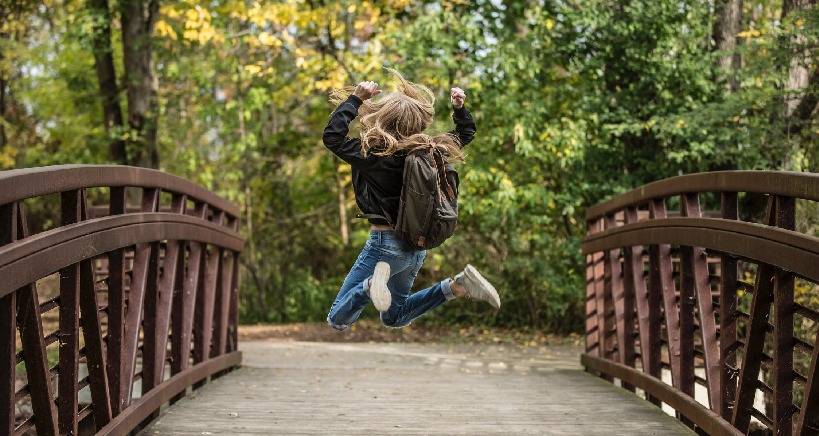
{"x":404,"y":265}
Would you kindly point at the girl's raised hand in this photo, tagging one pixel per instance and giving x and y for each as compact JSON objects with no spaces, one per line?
{"x":458,"y":96}
{"x":366,"y":90}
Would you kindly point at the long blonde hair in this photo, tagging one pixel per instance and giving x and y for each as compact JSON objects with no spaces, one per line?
{"x":395,"y":122}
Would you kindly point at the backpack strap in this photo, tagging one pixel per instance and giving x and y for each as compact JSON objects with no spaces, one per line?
{"x":440,"y":165}
{"x":386,"y":217}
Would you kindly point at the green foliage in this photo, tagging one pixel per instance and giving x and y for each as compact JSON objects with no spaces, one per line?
{"x":574,"y":101}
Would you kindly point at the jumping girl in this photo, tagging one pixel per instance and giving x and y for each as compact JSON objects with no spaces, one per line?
{"x":387,"y":266}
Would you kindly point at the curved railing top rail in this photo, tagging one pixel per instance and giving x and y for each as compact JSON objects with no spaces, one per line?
{"x":786,"y":184}
{"x":25,"y":183}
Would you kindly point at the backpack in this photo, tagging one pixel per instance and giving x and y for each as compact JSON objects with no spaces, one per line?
{"x":428,"y":209}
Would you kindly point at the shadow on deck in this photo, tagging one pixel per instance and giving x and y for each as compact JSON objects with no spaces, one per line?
{"x":321,"y":388}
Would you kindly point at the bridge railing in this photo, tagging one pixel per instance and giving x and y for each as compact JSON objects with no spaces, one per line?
{"x":707,"y":301}
{"x":132,"y":308}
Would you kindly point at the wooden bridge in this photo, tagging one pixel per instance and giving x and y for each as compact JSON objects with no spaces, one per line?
{"x":697,"y":300}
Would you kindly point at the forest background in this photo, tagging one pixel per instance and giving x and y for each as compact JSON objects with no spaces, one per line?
{"x":574,"y":100}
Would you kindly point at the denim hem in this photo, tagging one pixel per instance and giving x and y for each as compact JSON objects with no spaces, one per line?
{"x":447,"y":290}
{"x":339,"y":327}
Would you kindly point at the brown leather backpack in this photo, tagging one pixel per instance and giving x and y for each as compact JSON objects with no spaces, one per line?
{"x":428,"y":211}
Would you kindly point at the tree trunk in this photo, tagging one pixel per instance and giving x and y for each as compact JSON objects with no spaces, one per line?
{"x":107,"y":78}
{"x":342,"y":208}
{"x":4,"y":15}
{"x":3,"y":85}
{"x":728,"y":25}
{"x":797,"y":110}
{"x":138,"y":22}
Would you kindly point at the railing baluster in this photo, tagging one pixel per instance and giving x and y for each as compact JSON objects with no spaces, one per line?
{"x":783,"y":331}
{"x":662,"y":283}
{"x":233,"y":338}
{"x":600,"y":301}
{"x":116,"y":310}
{"x":8,"y":331}
{"x":30,"y":325}
{"x":609,"y":315}
{"x":649,"y":330}
{"x":222,"y":307}
{"x":728,"y":316}
{"x":695,"y":274}
{"x":183,"y":314}
{"x":809,"y":415}
{"x":594,"y":290}
{"x":156,"y":339}
{"x":623,"y":304}
{"x":92,"y":335}
{"x":203,"y":317}
{"x":143,"y":281}
{"x":755,"y":338}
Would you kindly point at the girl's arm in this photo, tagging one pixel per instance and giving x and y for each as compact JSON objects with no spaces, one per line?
{"x":335,"y":134}
{"x":464,"y":124}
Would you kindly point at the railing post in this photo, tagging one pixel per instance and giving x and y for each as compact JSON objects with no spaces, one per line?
{"x":116,"y":311}
{"x":783,"y":312}
{"x":8,"y":331}
{"x":728,"y":316}
{"x":68,"y":400}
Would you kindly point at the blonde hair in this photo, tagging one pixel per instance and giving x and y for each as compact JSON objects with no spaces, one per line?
{"x":395,"y":122}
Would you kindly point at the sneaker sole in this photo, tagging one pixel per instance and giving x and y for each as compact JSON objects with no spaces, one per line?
{"x":476,"y":276}
{"x":379,"y":292}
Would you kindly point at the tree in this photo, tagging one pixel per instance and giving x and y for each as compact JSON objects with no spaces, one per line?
{"x":728,"y":25}
{"x":138,"y":21}
{"x":106,"y":76}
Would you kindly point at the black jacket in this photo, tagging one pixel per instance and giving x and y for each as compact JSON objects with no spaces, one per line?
{"x":377,"y":180}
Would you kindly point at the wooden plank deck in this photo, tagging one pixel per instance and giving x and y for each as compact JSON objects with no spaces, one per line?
{"x":288,"y":388}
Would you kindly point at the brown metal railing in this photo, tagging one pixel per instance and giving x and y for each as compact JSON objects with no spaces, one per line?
{"x":146,"y":301}
{"x":664,"y":300}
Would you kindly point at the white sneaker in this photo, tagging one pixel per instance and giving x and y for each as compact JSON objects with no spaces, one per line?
{"x":477,"y":288}
{"x":379,"y":292}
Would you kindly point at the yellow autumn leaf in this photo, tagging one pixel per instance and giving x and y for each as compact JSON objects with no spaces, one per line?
{"x":253,"y":69}
{"x":165,"y":30}
{"x":191,"y":35}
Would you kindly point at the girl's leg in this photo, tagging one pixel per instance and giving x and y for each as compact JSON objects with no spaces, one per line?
{"x":406,"y":308}
{"x":352,"y":298}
